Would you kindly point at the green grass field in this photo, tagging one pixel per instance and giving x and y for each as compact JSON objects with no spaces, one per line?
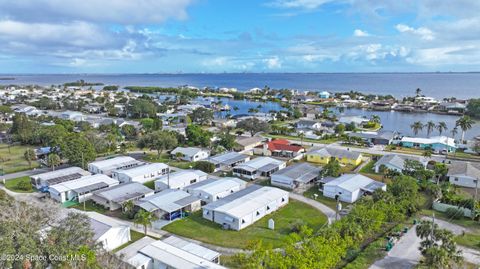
{"x":320,"y":198}
{"x":13,"y":161}
{"x":91,"y":206}
{"x":198,"y":228}
{"x":12,"y":184}
{"x":165,"y":158}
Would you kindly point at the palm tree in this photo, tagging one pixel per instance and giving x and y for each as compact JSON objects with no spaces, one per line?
{"x":428,"y":153}
{"x":465,"y":123}
{"x":416,"y":127}
{"x":430,"y":126}
{"x":454,"y":132}
{"x":301,"y":135}
{"x":375,"y":118}
{"x":441,"y":127}
{"x":418,"y":91}
{"x":29,"y":156}
{"x":145,"y":219}
{"x":53,"y":160}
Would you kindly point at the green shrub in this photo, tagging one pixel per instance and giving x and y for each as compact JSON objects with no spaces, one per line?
{"x":205,"y":166}
{"x":24,"y":186}
{"x":454,"y":213}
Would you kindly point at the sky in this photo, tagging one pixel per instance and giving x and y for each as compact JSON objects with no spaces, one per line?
{"x":211,"y":36}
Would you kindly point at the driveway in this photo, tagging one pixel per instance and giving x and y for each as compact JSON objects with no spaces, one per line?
{"x":330,"y":213}
{"x":405,"y":253}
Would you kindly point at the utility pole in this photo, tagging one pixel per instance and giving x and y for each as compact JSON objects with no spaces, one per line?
{"x":168,"y":174}
{"x":475,"y":199}
{"x":433,"y":228}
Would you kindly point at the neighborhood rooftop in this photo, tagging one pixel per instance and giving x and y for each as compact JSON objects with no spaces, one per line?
{"x":302,"y":172}
{"x":168,"y":200}
{"x":142,"y":169}
{"x":85,"y":184}
{"x":123,"y":192}
{"x":260,"y":164}
{"x":227,"y":158}
{"x":242,"y":202}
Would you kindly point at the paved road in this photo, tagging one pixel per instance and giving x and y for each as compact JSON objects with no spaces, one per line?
{"x":330,"y":213}
{"x":405,"y":254}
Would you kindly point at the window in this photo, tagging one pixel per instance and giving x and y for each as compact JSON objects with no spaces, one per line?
{"x":283,"y":199}
{"x":268,"y":208}
{"x":231,"y":191}
{"x":193,"y":181}
{"x":243,"y":221}
{"x":258,"y":213}
{"x":456,"y":179}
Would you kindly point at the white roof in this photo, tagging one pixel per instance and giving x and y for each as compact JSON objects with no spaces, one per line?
{"x":193,"y":248}
{"x":167,"y":200}
{"x":190,"y":151}
{"x":113,"y":163}
{"x":175,"y":257}
{"x":214,"y":186}
{"x":142,"y":169}
{"x":130,"y":254}
{"x":60,"y":173}
{"x":101,"y":224}
{"x":351,"y":182}
{"x":247,"y":200}
{"x":181,"y":176}
{"x":432,"y":140}
{"x":84,"y":182}
{"x":259,"y":162}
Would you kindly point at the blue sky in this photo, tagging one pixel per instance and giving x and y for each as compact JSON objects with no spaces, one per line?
{"x":164,"y":36}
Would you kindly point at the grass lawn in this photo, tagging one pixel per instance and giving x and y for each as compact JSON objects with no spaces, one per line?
{"x":470,"y":240}
{"x":305,"y":140}
{"x":368,"y":170}
{"x":91,"y":206}
{"x":12,"y":184}
{"x":198,"y":228}
{"x":165,"y":158}
{"x":320,"y":198}
{"x":150,"y":184}
{"x":13,"y":161}
{"x":134,"y":236}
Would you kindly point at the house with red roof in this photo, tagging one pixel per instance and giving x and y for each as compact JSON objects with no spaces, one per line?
{"x":279,"y":148}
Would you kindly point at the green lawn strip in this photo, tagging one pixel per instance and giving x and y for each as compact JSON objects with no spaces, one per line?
{"x":13,"y":160}
{"x":91,"y":206}
{"x":320,"y":198}
{"x":165,"y":158}
{"x":469,"y":240}
{"x":12,"y":184}
{"x":229,"y":262}
{"x":134,"y":236}
{"x":150,"y":184}
{"x":368,"y":168}
{"x":198,"y":228}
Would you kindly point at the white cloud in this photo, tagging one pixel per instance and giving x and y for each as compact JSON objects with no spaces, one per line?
{"x":423,"y":32}
{"x":111,"y":11}
{"x":302,"y":4}
{"x":273,"y":62}
{"x":360,"y":33}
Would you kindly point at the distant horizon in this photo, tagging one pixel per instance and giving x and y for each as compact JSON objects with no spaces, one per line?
{"x":233,"y":73}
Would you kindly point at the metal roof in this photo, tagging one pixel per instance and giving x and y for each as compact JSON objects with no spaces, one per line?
{"x":85,"y":183}
{"x":168,"y":201}
{"x":175,"y":257}
{"x":124,"y":192}
{"x":189,"y":151}
{"x":114,"y":163}
{"x":214,"y":186}
{"x":193,"y":248}
{"x":261,"y":163}
{"x":53,"y":175}
{"x":142,"y":169}
{"x":246,"y":201}
{"x":301,"y":172}
{"x":228,"y":158}
{"x":352,"y":182}
{"x":334,"y":152}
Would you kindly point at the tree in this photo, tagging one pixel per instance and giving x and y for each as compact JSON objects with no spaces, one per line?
{"x":149,"y":124}
{"x":253,"y":126}
{"x":159,"y":141}
{"x":332,"y":168}
{"x":454,"y":132}
{"x":441,"y":127}
{"x":227,"y":140}
{"x":465,"y":123}
{"x":473,"y":108}
{"x":430,"y":127}
{"x":141,"y":108}
{"x":129,"y":131}
{"x":145,"y":219}
{"x":438,"y":246}
{"x":29,"y":156}
{"x":301,"y":135}
{"x":375,"y":118}
{"x":78,"y":150}
{"x":416,"y":127}
{"x":340,"y":128}
{"x":23,"y":129}
{"x":202,"y":115}
{"x":197,"y":136}
{"x":418,"y":91}
{"x":53,"y":160}
{"x":427,"y":153}
{"x":205,"y":166}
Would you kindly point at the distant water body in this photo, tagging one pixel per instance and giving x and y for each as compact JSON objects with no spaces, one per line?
{"x":439,"y":85}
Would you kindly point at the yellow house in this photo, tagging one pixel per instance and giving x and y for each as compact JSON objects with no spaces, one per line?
{"x":324,"y":155}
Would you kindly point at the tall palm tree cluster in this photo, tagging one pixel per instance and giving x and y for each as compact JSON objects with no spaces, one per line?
{"x":464,"y":123}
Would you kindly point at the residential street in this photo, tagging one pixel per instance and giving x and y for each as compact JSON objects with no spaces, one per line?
{"x":405,"y":253}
